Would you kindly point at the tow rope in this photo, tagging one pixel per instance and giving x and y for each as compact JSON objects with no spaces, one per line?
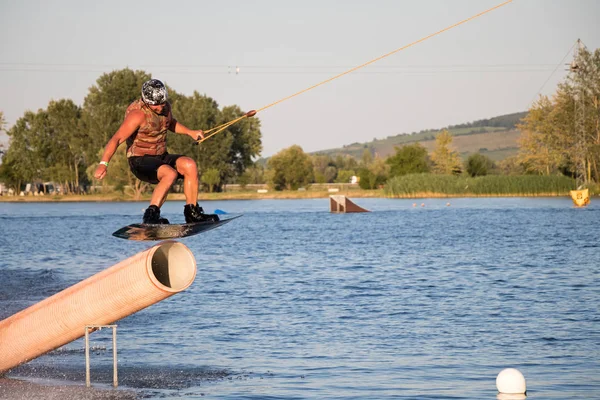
{"x":213,"y":131}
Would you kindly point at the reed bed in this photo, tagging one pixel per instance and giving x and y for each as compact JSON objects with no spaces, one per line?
{"x":490,"y":185}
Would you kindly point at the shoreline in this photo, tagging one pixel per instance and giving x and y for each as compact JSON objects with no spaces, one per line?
{"x":202,"y":196}
{"x":21,"y":389}
{"x":284,"y":195}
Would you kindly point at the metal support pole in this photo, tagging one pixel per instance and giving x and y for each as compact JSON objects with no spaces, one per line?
{"x":92,"y":328}
{"x":115,"y":375}
{"x":87,"y":357}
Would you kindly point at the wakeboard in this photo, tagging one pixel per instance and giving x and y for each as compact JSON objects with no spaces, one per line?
{"x":168,"y":231}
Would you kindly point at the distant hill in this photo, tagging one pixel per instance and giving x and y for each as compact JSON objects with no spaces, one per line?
{"x":495,"y":137}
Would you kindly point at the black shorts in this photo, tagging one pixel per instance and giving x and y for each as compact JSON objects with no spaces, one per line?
{"x":145,"y":168}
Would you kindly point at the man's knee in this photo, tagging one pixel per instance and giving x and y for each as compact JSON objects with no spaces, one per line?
{"x":186,"y":166}
{"x":167,"y":174}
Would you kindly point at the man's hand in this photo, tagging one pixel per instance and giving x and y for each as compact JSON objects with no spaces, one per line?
{"x":100,"y":172}
{"x":198,"y":135}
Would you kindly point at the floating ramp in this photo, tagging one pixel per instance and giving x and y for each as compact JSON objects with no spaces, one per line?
{"x":581,"y":198}
{"x":341,"y":204}
{"x":121,"y":290}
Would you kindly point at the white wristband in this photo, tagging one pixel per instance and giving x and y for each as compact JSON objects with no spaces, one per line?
{"x":104,"y":163}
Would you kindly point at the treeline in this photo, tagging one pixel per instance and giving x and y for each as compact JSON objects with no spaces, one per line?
{"x":63,"y":143}
{"x":292,"y":168}
{"x":412,"y":171}
{"x":508,"y":121}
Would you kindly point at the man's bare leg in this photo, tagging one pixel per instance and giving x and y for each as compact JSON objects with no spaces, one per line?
{"x":187,"y":167}
{"x":166,"y":178}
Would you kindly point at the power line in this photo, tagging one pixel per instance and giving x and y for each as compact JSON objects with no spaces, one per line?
{"x":307,"y":70}
{"x":553,"y":72}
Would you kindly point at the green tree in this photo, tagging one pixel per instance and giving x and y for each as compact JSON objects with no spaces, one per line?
{"x":253,"y":175}
{"x":344,"y":176}
{"x":8,"y":171}
{"x":2,"y":125}
{"x":67,"y":144}
{"x":563,"y":133}
{"x":291,"y":168}
{"x":231,"y":151}
{"x":409,"y":159}
{"x":543,"y":143}
{"x":366,"y":158}
{"x":445,"y":160}
{"x":323,"y":168}
{"x":374,"y":175}
{"x":584,"y":85}
{"x":319,"y":177}
{"x":201,"y":112}
{"x":2,"y":121}
{"x":247,"y":142}
{"x":104,"y":107}
{"x":330,"y":173}
{"x":47,"y":145}
{"x":345,"y":161}
{"x":29,"y":149}
{"x":211,"y":177}
{"x":511,"y":166}
{"x":479,"y":165}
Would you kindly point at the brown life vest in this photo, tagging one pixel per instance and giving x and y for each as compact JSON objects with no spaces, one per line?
{"x":151,"y":136}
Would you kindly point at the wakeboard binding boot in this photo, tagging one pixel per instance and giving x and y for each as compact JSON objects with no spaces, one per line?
{"x":152,"y":216}
{"x":193,"y":213}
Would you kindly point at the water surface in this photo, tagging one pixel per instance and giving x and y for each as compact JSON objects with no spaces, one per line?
{"x":292,"y":302}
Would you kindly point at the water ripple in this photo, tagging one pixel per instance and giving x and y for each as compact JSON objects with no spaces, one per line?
{"x":293,"y":302}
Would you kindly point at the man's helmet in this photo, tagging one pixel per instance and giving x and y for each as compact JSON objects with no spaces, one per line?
{"x":154,"y":92}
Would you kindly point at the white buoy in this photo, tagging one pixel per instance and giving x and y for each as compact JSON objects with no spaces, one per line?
{"x":511,"y":381}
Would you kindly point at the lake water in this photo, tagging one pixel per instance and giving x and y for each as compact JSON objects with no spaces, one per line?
{"x":292,"y":302}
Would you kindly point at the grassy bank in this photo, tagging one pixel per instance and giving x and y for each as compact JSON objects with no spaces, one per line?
{"x":430,"y":185}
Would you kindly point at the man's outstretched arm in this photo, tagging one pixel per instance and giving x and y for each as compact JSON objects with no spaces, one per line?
{"x":131,"y":124}
{"x":178,"y":127}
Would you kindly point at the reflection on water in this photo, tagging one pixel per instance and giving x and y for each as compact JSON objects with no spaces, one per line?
{"x":291,"y":301}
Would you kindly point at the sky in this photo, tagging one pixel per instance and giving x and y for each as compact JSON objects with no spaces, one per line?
{"x":254,"y":53}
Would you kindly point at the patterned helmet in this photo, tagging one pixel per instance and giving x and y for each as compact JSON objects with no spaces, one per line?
{"x":154,"y":92}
